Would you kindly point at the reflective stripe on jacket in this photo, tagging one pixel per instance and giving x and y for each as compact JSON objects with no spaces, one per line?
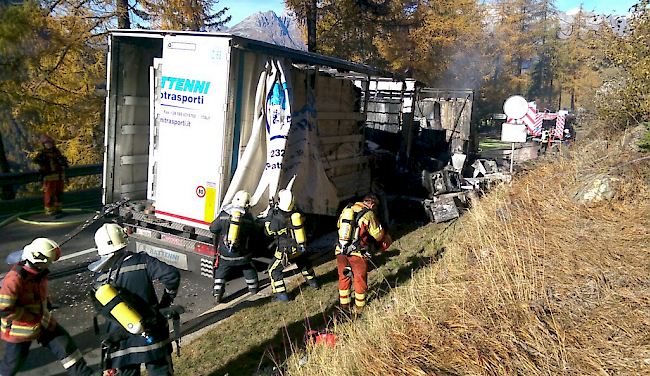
{"x":278,"y":224}
{"x":239,"y":254}
{"x":51,"y":164}
{"x":23,"y":304}
{"x":137,"y":273}
{"x":369,"y":228}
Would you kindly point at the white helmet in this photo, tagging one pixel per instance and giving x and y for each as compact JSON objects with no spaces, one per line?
{"x":242,"y":199}
{"x":285,"y":200}
{"x":110,"y":238}
{"x":42,"y":251}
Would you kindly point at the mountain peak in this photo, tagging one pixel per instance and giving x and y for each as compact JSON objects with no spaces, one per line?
{"x":268,"y":27}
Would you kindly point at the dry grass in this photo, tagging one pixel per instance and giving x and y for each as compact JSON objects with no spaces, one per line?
{"x":527,"y":283}
{"x":263,"y":335}
{"x":530,"y":283}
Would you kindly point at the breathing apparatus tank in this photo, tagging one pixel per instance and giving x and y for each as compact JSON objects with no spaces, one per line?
{"x":233,"y":229}
{"x":299,"y":230}
{"x":130,"y":319}
{"x":345,"y":231}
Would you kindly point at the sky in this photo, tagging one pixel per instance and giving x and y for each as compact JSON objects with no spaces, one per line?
{"x":606,"y":7}
{"x":240,"y":9}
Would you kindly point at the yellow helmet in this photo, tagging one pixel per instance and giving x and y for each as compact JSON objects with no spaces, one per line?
{"x":42,"y":251}
{"x":110,"y":238}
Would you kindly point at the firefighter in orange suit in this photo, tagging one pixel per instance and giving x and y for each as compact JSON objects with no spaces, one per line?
{"x":358,"y":226}
{"x":51,"y":165}
{"x":25,"y":315}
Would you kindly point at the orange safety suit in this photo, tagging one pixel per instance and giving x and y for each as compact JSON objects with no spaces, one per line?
{"x":25,"y":317}
{"x":23,"y":305}
{"x":370,"y":229}
{"x":51,"y":166}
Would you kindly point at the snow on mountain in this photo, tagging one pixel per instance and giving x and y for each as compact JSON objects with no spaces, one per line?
{"x":268,"y":27}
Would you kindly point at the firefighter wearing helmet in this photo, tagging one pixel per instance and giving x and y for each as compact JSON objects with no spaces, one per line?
{"x":25,"y":312}
{"x":358,"y":227}
{"x":124,"y":277}
{"x":51,"y":164}
{"x":233,"y":229}
{"x":286,"y":225}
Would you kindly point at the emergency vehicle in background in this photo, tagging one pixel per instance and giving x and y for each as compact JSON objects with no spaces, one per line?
{"x":192,"y":118}
{"x":545,"y":126}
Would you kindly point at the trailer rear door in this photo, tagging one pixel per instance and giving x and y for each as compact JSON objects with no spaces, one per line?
{"x":189,"y":127}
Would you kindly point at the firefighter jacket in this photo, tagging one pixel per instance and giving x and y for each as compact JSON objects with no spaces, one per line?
{"x":278,"y":225}
{"x":238,"y":253}
{"x":51,"y":164}
{"x":23,"y":304}
{"x":370,"y":229}
{"x":136,"y":274}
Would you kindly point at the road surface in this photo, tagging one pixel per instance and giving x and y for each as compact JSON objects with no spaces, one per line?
{"x":70,"y":281}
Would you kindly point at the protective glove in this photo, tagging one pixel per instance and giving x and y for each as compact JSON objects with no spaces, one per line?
{"x":386,"y":242}
{"x":51,"y":307}
{"x":165,"y":301}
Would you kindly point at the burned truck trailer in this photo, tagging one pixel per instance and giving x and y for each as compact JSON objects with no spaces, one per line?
{"x":423,"y":128}
{"x":191,"y":118}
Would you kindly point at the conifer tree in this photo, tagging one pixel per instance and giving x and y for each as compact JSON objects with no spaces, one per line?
{"x":628,"y":57}
{"x":192,"y":15}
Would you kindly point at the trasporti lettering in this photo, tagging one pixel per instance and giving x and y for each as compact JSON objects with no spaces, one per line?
{"x":183,"y":85}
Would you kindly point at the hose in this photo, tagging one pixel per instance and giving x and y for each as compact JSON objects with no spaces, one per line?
{"x":46,"y":223}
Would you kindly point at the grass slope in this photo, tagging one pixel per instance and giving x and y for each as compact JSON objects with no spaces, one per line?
{"x":262,"y":336}
{"x":528,"y":282}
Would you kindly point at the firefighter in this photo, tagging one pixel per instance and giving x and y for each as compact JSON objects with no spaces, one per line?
{"x":233,"y":229}
{"x":51,"y":167}
{"x":132,"y":274}
{"x":25,"y":312}
{"x":358,"y":226}
{"x":284,"y":223}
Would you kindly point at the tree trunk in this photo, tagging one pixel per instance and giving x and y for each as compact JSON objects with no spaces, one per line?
{"x":123,"y":20}
{"x":311,"y":25}
{"x":7,"y":191}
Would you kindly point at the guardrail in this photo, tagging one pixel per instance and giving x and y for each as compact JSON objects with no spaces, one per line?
{"x":14,"y":178}
{"x":11,"y":206}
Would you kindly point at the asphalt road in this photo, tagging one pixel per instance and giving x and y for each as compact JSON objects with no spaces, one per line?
{"x":70,"y":281}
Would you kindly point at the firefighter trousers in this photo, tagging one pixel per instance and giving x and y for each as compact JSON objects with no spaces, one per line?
{"x":158,"y":367}
{"x":223,"y":270}
{"x":359,"y":266}
{"x":276,"y":268}
{"x":53,"y":197}
{"x":61,"y":345}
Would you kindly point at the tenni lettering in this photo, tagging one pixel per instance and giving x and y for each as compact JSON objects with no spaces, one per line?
{"x":184,"y":85}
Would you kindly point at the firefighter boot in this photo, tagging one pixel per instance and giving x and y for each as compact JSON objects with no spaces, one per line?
{"x":218,"y":296}
{"x":313,"y":283}
{"x":281,"y":297}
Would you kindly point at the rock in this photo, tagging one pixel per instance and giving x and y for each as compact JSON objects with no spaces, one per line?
{"x":595,"y":188}
{"x":632,"y":137}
